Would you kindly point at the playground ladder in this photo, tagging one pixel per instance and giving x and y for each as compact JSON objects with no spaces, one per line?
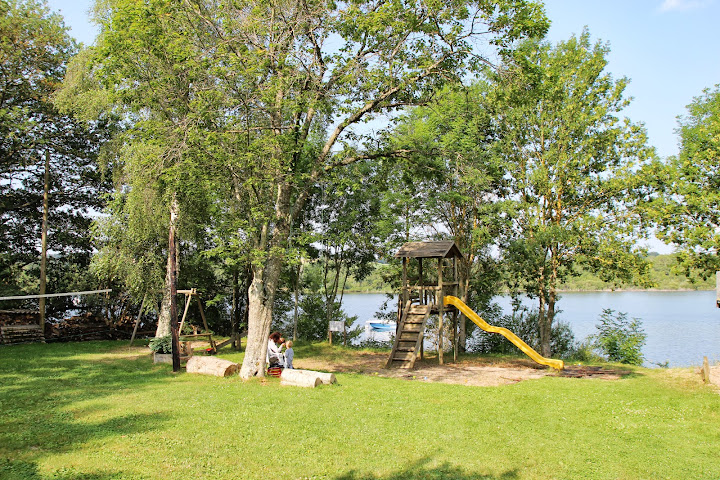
{"x":409,"y":336}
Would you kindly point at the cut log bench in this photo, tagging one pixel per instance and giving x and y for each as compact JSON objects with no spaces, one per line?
{"x":306,"y":378}
{"x":211,"y":366}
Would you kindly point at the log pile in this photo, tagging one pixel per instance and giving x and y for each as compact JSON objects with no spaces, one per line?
{"x":80,"y":327}
{"x":14,"y":334}
{"x":306,"y":378}
{"x":19,"y":316}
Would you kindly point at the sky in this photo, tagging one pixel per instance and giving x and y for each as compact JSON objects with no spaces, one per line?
{"x":669,"y":49}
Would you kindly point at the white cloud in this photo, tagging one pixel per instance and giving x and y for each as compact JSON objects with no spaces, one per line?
{"x":675,"y":5}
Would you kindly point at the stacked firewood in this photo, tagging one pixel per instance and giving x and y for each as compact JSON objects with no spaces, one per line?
{"x":86,"y":326}
{"x":19,"y":316}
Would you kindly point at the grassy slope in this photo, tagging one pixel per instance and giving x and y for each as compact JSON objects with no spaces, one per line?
{"x":97,"y":411}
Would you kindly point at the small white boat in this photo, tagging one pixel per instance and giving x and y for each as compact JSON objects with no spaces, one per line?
{"x":380,"y":330}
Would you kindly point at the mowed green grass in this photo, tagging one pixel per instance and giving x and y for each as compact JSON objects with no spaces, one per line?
{"x":99,"y":410}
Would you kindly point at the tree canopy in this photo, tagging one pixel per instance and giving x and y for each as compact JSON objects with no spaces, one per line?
{"x":35,"y":49}
{"x":688,"y":210}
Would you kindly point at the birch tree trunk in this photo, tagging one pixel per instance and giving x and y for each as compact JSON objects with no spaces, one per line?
{"x":163,"y":326}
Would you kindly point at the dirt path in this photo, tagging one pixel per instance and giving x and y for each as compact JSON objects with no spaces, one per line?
{"x":481,"y":372}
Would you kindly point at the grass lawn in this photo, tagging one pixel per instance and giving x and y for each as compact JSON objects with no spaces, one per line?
{"x":98,"y":410}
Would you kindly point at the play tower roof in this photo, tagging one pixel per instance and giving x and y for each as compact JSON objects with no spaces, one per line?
{"x":442,"y":249}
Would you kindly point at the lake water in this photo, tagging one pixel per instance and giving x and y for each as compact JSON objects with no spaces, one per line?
{"x":681,"y":327}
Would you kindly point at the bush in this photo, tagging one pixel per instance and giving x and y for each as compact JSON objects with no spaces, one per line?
{"x":312,"y":321}
{"x":161,"y":344}
{"x":619,"y":339}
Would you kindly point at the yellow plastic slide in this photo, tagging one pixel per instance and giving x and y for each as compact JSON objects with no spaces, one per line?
{"x":469,"y":313}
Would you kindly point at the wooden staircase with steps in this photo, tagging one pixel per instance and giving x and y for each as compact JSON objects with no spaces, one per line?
{"x":409,"y":336}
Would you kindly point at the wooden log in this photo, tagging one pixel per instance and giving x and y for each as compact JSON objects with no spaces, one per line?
{"x":211,"y":366}
{"x":325,"y":378}
{"x":293,"y":375}
{"x":297,"y":378}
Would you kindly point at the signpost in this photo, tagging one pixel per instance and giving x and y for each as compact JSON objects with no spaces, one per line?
{"x":335,"y":326}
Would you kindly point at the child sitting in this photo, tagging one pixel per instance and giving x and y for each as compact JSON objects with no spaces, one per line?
{"x":289,"y":354}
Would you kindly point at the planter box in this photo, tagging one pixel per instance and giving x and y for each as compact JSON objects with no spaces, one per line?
{"x":167,"y":358}
{"x":162,"y":357}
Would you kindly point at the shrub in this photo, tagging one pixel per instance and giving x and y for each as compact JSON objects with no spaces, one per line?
{"x":312,"y":321}
{"x":161,"y":344}
{"x":619,"y":339}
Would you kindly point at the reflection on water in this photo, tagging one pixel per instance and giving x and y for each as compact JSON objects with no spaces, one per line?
{"x":681,"y":327}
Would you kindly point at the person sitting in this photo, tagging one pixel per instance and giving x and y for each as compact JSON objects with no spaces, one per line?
{"x":274,"y":350}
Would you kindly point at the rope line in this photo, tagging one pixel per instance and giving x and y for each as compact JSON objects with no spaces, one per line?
{"x":48,"y":295}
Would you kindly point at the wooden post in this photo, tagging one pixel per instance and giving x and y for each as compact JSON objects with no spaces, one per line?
{"x":235,"y":306}
{"x":172,"y":252}
{"x":421,"y":293}
{"x":43,"y":248}
{"x":188,"y":298}
{"x":455,"y":311}
{"x":404,"y":283}
{"x":404,"y":297}
{"x":202,"y":312}
{"x":705,"y":372}
{"x":455,"y":335}
{"x":440,"y":305}
{"x":137,"y":321}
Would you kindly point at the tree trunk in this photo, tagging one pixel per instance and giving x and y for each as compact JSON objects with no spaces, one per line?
{"x":544,"y":323}
{"x":260,"y":318}
{"x":163,"y":326}
{"x":261,"y":294}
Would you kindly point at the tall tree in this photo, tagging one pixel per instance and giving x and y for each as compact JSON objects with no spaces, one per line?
{"x":571,"y":164}
{"x":688,"y":211}
{"x":145,"y":76}
{"x":35,"y":49}
{"x":272,"y":94}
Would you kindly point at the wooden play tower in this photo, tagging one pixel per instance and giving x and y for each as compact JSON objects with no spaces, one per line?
{"x":421,"y":295}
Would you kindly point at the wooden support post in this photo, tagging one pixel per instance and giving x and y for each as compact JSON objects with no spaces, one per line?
{"x":137,"y":321}
{"x":705,"y":372}
{"x":172,"y":253}
{"x":188,"y":298}
{"x":202,"y":312}
{"x":43,"y":247}
{"x":421,"y":293}
{"x":440,"y":305}
{"x":455,"y":335}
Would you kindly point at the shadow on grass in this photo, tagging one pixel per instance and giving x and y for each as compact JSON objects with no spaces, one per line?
{"x":420,"y":469}
{"x":19,"y":470}
{"x":40,"y":386}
